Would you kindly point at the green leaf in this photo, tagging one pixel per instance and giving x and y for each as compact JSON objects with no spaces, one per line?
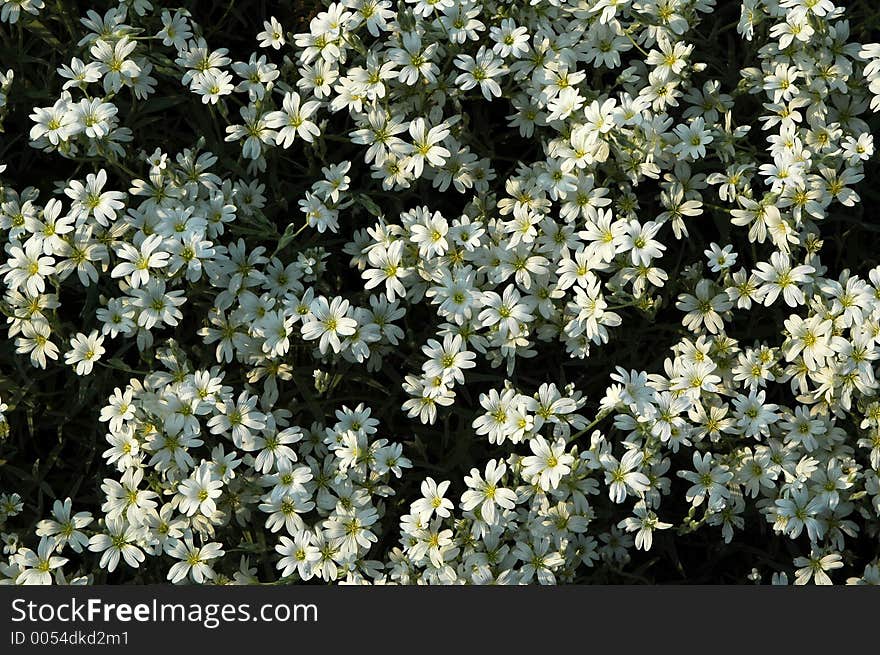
{"x":367,"y":203}
{"x":289,"y":233}
{"x":118,"y":364}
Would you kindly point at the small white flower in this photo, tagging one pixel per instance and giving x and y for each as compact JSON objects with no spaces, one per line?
{"x":84,"y":351}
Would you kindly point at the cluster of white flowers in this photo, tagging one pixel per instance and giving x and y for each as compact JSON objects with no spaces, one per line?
{"x":214,"y":466}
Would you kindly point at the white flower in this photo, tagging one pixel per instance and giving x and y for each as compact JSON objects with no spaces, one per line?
{"x":85,"y":351}
{"x":447,"y":359}
{"x":156,"y":304}
{"x":327,"y":322}
{"x":56,"y":123}
{"x":643,"y":523}
{"x":27,"y":267}
{"x":198,"y":492}
{"x":485,"y":494}
{"x":548,"y":463}
{"x":256,"y":131}
{"x":639,"y":241}
{"x":425,"y":148}
{"x":500,"y":420}
{"x":195,"y":560}
{"x":212,"y":85}
{"x":622,"y":477}
{"x":140,"y":259}
{"x":429,"y":233}
{"x":175,"y":29}
{"x":433,"y":501}
{"x":349,"y":529}
{"x":293,"y":120}
{"x":414,"y":59}
{"x":510,"y":39}
{"x":704,"y":308}
{"x":388,"y":269}
{"x":119,"y":540}
{"x":65,"y":529}
{"x":719,"y":258}
{"x":38,"y":566}
{"x":239,"y":418}
{"x":35,"y":339}
{"x":93,"y":117}
{"x":272,"y":35}
{"x":115,"y":66}
{"x":480,"y":71}
{"x":125,"y":448}
{"x":708,"y":482}
{"x":780,"y":276}
{"x":693,"y":139}
{"x":507,"y":310}
{"x":815,"y":566}
{"x":298,"y":555}
{"x":124,"y":499}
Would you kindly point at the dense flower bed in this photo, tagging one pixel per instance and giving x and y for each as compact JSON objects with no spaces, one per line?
{"x":439,"y":291}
